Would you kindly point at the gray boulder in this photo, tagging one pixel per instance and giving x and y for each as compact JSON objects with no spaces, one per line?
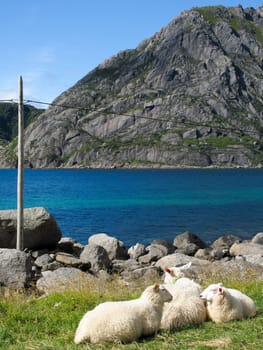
{"x":15,"y":268}
{"x":114,"y":247}
{"x":62,"y":279}
{"x":225,"y":241}
{"x":188,"y":243}
{"x":155,"y":252}
{"x":122,"y":266}
{"x":96,"y":256}
{"x":245,"y":248}
{"x":136,"y":251}
{"x":43,"y":260}
{"x":70,"y":260}
{"x":255,"y":259}
{"x":178,"y":259}
{"x":40,"y":229}
{"x":145,"y":274}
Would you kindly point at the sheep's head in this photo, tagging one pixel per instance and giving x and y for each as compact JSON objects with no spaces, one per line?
{"x":171,"y":274}
{"x":212,"y":291}
{"x":157,"y":292}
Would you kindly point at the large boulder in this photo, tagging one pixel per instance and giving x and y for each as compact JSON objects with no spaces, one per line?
{"x":15,"y":268}
{"x":246,"y":248}
{"x":40,"y":229}
{"x":96,"y":256}
{"x":114,"y":247}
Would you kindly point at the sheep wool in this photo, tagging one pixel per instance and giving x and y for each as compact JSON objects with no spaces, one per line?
{"x":226,"y":304}
{"x":124,"y":321}
{"x":186,"y":308}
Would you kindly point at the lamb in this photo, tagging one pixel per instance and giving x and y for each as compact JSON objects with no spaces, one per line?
{"x":227,"y":304}
{"x":124,"y":321}
{"x":186,"y":308}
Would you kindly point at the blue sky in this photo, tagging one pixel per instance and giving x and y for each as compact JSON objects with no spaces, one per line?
{"x":53,"y":43}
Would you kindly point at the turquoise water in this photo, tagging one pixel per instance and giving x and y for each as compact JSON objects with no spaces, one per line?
{"x":143,"y":205}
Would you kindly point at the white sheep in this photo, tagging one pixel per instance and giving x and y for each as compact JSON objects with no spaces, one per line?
{"x":186,"y":308}
{"x":124,"y":321}
{"x":176,"y":276}
{"x":227,"y":304}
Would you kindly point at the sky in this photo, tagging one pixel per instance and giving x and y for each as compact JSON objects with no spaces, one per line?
{"x":54,"y":43}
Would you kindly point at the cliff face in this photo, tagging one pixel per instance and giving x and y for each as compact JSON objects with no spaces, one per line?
{"x":191,"y":95}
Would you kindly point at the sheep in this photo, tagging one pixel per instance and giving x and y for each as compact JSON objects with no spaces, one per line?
{"x":175,"y":276}
{"x":186,"y":308}
{"x":124,"y":321}
{"x":227,"y":304}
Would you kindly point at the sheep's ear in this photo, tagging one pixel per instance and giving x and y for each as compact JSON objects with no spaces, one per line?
{"x":220,"y":291}
{"x":166,"y":269}
{"x":156,"y":287}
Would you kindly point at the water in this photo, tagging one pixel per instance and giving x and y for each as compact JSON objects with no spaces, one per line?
{"x":143,"y":205}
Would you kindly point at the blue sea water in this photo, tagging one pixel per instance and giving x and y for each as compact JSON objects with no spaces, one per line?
{"x":143,"y":205}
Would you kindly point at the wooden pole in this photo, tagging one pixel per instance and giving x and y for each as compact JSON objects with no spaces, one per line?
{"x":20,"y":167}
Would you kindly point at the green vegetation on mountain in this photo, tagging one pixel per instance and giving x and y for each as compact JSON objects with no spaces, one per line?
{"x":9,"y":117}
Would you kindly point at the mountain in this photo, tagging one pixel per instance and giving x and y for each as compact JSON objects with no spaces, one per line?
{"x":9,"y":129}
{"x":189,"y":96}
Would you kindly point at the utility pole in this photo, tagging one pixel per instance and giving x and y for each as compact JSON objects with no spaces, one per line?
{"x":20,"y":168}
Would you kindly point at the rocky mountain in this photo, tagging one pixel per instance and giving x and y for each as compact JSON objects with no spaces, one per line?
{"x":8,"y":129}
{"x":189,"y":96}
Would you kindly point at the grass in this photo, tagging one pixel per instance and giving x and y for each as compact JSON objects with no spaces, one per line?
{"x":49,"y":323}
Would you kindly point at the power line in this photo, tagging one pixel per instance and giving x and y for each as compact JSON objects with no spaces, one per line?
{"x":106,"y":112}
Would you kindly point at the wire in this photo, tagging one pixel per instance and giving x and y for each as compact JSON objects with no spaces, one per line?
{"x":8,"y":100}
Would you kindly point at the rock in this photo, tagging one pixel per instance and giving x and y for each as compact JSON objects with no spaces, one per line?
{"x":169,"y":247}
{"x":178,"y":259}
{"x":52,"y":266}
{"x":119,"y":266}
{"x":225,"y":241}
{"x":37,"y":253}
{"x":188,"y":243}
{"x":256,"y":259}
{"x":155,"y":252}
{"x":246,"y":249}
{"x":43,"y":260}
{"x":62,"y":279}
{"x":96,"y":256}
{"x":189,"y":249}
{"x":70,"y":260}
{"x":136,"y":251}
{"x":78,"y":249}
{"x":66,"y":245}
{"x":40,"y":229}
{"x":148,"y":273}
{"x":203,"y":253}
{"x":114,"y":247}
{"x":258,"y":238}
{"x":15,"y":268}
{"x":235,"y":267}
{"x":219,"y":253}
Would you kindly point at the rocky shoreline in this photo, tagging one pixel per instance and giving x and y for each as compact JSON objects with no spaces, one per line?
{"x":52,"y":263}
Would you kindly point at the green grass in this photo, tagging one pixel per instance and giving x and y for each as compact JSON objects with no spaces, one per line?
{"x":49,"y":323}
